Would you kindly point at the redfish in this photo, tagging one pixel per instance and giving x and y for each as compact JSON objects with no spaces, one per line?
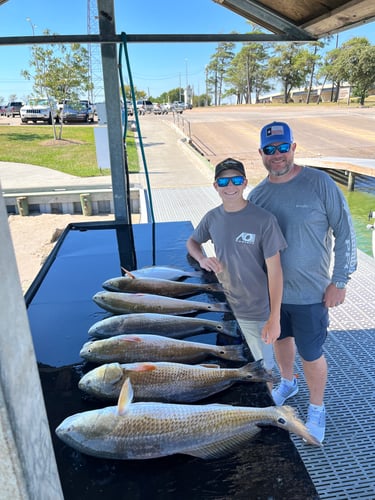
{"x":136,"y":431}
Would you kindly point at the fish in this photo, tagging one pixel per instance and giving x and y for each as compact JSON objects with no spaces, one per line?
{"x":158,"y":324}
{"x":168,"y":381}
{"x":134,"y":348}
{"x":159,"y":286}
{"x":162,"y":272}
{"x":147,"y":430}
{"x":120,"y":303}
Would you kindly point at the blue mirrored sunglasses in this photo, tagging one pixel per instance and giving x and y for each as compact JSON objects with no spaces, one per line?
{"x":237,"y":180}
{"x":281,"y":148}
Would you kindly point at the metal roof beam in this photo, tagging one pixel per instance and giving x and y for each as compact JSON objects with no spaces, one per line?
{"x":155,"y":38}
{"x":266,"y":17}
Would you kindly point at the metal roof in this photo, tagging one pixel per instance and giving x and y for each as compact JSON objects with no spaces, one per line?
{"x":300,"y":17}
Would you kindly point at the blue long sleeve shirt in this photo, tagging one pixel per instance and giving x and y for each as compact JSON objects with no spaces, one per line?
{"x":315,"y":220}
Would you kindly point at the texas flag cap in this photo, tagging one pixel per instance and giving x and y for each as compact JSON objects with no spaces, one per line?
{"x":275,"y":132}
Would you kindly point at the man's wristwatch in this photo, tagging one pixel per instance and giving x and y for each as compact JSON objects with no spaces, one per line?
{"x":340,"y":284}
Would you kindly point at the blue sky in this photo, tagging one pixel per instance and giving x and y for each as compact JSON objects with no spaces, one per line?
{"x":155,"y":68}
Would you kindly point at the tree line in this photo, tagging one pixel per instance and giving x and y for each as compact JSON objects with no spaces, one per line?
{"x":254,"y":70}
{"x":258,"y":67}
{"x":63,"y":71}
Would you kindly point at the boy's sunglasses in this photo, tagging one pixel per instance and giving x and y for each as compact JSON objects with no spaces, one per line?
{"x":237,"y":180}
{"x":281,"y":148}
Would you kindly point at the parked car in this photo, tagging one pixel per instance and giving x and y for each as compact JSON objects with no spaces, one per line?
{"x":178,"y":106}
{"x":74,"y":111}
{"x":44,"y":110}
{"x":157,"y":109}
{"x":13,"y":108}
{"x":144,"y":106}
{"x":91,"y":110}
{"x":3,"y":110}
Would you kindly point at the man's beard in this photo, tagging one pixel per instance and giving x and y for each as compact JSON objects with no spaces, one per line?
{"x":280,"y":173}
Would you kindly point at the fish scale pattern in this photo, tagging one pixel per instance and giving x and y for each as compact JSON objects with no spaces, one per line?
{"x":345,"y":467}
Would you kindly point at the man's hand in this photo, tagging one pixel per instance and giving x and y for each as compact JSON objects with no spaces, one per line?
{"x":333,"y":296}
{"x":271,"y":331}
{"x":211,"y":264}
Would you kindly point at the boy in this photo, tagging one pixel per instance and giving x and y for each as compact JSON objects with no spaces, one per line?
{"x":247,"y":242}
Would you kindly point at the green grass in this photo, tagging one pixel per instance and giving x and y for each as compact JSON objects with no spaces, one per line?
{"x":75,"y":154}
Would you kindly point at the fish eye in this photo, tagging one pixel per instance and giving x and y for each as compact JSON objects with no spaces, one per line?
{"x":281,"y":421}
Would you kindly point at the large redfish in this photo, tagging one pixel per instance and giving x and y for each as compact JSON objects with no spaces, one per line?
{"x":133,"y":348}
{"x":134,"y":431}
{"x":167,"y":381}
{"x":159,"y":324}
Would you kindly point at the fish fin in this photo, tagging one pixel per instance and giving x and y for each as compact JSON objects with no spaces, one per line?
{"x":128,"y":273}
{"x":131,"y":338}
{"x":225,"y":446}
{"x":141,"y":367}
{"x":125,"y":397}
{"x":210,"y":365}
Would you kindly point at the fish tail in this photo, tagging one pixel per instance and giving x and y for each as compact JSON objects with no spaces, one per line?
{"x":219,"y":307}
{"x":257,"y":372}
{"x":233,"y":353}
{"x":194,"y":274}
{"x":215,"y":287}
{"x":228,"y":328}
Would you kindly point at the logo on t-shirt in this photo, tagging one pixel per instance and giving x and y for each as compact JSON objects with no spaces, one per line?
{"x":248,"y":238}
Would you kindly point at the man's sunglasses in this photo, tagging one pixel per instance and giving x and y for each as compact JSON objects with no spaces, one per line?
{"x":281,"y":148}
{"x":237,"y":180}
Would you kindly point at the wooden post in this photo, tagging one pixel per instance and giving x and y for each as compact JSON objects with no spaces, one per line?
{"x":23,"y":205}
{"x":351,"y":181}
{"x":86,"y":203}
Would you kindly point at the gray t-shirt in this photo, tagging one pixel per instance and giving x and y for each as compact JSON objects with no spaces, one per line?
{"x":311,"y":210}
{"x":242,"y":241}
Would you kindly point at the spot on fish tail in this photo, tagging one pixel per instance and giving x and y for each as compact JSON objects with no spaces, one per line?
{"x":125,"y":397}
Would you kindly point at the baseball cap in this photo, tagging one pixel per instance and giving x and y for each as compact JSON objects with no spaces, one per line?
{"x":275,"y":132}
{"x":229,"y":164}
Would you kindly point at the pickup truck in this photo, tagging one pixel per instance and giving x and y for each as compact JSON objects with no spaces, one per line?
{"x":13,"y":108}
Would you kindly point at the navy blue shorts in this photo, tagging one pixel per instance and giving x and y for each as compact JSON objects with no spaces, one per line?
{"x":308,"y":325}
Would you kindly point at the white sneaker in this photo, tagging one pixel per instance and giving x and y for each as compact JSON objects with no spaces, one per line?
{"x":316,"y":422}
{"x":284,"y":391}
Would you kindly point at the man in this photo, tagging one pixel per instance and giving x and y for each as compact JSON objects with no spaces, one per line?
{"x":310,"y":209}
{"x":247,"y":242}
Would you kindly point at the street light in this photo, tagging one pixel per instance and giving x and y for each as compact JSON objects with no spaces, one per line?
{"x":33,"y":26}
{"x":206,"y":100}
